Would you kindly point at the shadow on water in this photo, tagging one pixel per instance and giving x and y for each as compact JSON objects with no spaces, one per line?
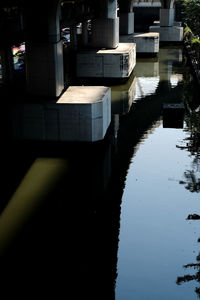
{"x":60,"y":214}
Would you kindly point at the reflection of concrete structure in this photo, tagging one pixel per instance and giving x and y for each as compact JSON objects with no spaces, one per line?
{"x":147,"y":67}
{"x":35,"y":188}
{"x":81,"y":114}
{"x":107,"y":63}
{"x":46,"y":220}
{"x":166,"y":67}
{"x":122,"y":96}
{"x":146,"y":86}
{"x":173,"y":115}
{"x":175,"y":79}
{"x":147,"y":77}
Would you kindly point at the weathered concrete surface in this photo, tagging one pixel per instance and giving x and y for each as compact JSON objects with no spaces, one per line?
{"x":107,"y":63}
{"x":83,"y":113}
{"x":145,"y":42}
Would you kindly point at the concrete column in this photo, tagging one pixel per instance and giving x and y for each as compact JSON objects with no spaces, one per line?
{"x":105,"y":29}
{"x":84,"y":33}
{"x":167,"y":17}
{"x":44,"y":50}
{"x":73,"y":36}
{"x":7,"y":65}
{"x":126,"y":23}
{"x":44,"y":62}
{"x":111,"y":9}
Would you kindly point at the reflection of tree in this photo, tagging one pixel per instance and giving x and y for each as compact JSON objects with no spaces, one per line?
{"x":192,"y":145}
{"x":188,"y":277}
{"x":193,"y":183}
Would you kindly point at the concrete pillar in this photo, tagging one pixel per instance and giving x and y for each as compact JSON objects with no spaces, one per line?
{"x":167,"y":17}
{"x":45,"y":68}
{"x":84,"y":33}
{"x":73,"y":37}
{"x":126,"y":23}
{"x":44,"y":52}
{"x":7,"y":65}
{"x":105,"y":29}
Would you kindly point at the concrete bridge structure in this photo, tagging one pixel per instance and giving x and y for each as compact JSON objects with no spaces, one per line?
{"x":93,"y":51}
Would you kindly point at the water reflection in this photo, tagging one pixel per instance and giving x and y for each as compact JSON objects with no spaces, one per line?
{"x":154,"y":237}
{"x":192,"y":183}
{"x":147,"y":77}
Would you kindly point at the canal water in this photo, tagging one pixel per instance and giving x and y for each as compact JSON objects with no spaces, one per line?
{"x":117,"y":219}
{"x":158,"y":255}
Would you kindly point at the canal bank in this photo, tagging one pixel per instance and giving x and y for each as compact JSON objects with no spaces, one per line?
{"x":111,"y":220}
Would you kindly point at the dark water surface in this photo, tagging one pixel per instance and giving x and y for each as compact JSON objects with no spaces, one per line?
{"x":109,"y":220}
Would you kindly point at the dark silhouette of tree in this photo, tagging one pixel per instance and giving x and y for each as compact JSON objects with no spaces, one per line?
{"x":187,"y":278}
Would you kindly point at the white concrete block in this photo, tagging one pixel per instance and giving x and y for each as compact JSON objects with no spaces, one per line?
{"x":145,"y":42}
{"x":168,"y":34}
{"x":105,"y":33}
{"x":93,"y":114}
{"x":81,"y":114}
{"x":112,"y":63}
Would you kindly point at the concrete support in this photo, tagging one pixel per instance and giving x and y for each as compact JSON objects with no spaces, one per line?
{"x":123,"y":96}
{"x":73,"y":37}
{"x":107,"y":63}
{"x":85,"y":113}
{"x":105,"y":33}
{"x":7,"y":65}
{"x":147,"y":43}
{"x":168,"y":34}
{"x":44,"y":51}
{"x":105,"y":29}
{"x":166,"y":17}
{"x":84,"y":33}
{"x":109,"y":59}
{"x":45,"y":68}
{"x":82,"y":113}
{"x":127,"y":23}
{"x":167,"y":29}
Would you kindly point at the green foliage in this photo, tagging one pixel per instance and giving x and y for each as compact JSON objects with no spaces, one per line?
{"x":195,"y":41}
{"x":191,"y":15}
